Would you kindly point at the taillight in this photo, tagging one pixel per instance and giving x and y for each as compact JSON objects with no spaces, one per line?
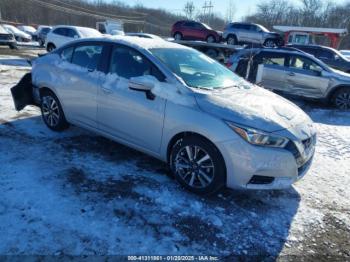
{"x":228,"y":64}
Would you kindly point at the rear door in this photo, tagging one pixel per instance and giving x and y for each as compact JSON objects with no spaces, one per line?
{"x":80,"y":81}
{"x":275,"y":70}
{"x":305,"y":77}
{"x":189,"y":30}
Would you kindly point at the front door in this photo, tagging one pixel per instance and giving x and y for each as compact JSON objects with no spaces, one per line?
{"x":128,"y":114}
{"x":305,"y":77}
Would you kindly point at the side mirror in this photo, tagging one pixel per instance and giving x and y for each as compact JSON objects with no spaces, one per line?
{"x":143,"y":84}
{"x":76,"y":37}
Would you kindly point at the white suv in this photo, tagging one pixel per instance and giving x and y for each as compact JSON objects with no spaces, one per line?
{"x":60,"y":35}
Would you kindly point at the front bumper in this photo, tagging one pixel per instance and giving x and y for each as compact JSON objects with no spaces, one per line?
{"x":254,"y":167}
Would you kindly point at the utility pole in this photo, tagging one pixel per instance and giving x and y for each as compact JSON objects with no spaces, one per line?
{"x":207,"y":10}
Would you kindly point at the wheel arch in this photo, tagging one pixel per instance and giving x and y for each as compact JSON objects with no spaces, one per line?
{"x":335,"y":89}
{"x":183,"y":134}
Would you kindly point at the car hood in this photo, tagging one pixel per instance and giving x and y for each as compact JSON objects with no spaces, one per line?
{"x":340,"y":75}
{"x":251,"y":106}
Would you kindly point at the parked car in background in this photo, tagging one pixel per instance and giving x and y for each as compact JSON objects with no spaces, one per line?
{"x":110,"y":27}
{"x":248,"y":33}
{"x":176,"y":95}
{"x":62,"y":34}
{"x":345,"y":53}
{"x":7,"y":38}
{"x":30,"y":30}
{"x":19,"y":35}
{"x":293,"y":72}
{"x":42,"y":33}
{"x":144,"y":35}
{"x":192,"y":30}
{"x":328,"y":55}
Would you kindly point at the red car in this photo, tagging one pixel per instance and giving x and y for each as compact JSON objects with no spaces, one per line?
{"x":192,"y":30}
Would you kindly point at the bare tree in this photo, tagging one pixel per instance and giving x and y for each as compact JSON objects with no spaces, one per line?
{"x":189,"y":10}
{"x":230,"y":12}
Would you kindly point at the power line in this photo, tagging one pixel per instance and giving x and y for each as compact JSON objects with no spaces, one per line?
{"x":99,"y":13}
{"x":84,"y":13}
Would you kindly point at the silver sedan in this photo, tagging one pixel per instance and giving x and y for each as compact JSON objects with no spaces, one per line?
{"x":180,"y":106}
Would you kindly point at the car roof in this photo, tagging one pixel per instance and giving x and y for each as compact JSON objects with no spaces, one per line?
{"x":136,"y":42}
{"x":71,"y":26}
{"x":313,"y":46}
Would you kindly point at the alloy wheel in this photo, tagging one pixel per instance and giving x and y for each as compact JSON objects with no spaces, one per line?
{"x":51,"y":111}
{"x":177,"y":37}
{"x":270,"y":43}
{"x":195,"y":166}
{"x":342,"y":101}
{"x":210,"y":39}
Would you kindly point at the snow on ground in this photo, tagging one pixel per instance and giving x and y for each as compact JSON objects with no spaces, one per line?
{"x":80,"y":194}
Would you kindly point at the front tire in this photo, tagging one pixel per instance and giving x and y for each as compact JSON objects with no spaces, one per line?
{"x":341,"y":98}
{"x":52,"y":113}
{"x":270,"y":43}
{"x":198,"y":165}
{"x":211,"y":39}
{"x":232,"y":40}
{"x":178,"y":36}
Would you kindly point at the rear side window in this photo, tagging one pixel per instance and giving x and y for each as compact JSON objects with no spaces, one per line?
{"x":127,"y":63}
{"x":59,"y":31}
{"x":66,"y":54}
{"x":87,"y":56}
{"x":325,"y":54}
{"x":71,"y":33}
{"x":273,"y":59}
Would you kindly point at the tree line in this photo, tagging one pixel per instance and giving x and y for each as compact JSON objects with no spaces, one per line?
{"x":315,"y":13}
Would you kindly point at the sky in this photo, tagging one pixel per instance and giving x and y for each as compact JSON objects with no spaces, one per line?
{"x":244,"y":7}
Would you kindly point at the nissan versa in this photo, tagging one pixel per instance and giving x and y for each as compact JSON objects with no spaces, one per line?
{"x":178,"y":105}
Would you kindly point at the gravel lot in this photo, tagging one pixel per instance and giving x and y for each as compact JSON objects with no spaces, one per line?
{"x":76,"y":193}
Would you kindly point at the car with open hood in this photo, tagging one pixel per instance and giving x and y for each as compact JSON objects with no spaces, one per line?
{"x":292,"y":72}
{"x":19,"y":35}
{"x":7,"y":38}
{"x":172,"y":102}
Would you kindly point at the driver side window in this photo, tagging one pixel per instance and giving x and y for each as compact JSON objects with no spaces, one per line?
{"x":303,"y":63}
{"x":127,"y":62}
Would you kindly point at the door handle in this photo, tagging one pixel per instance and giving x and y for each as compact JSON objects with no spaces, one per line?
{"x":291,"y":74}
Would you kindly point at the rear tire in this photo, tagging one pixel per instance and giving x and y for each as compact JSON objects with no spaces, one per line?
{"x":198,"y":165}
{"x":52,"y":113}
{"x":341,"y":98}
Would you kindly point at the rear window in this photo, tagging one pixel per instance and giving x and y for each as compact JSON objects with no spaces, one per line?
{"x":88,"y":32}
{"x":87,"y":56}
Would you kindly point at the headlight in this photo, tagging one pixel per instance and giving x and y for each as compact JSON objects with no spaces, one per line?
{"x":259,"y":138}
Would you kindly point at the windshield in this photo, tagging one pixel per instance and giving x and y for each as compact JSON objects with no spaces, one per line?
{"x":13,"y":29}
{"x":196,"y":69}
{"x":340,"y":54}
{"x":89,"y":32}
{"x":206,"y":26}
{"x":264,"y":29}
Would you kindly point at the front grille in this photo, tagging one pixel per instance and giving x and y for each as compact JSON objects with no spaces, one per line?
{"x":261,"y":180}
{"x":6,"y":37}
